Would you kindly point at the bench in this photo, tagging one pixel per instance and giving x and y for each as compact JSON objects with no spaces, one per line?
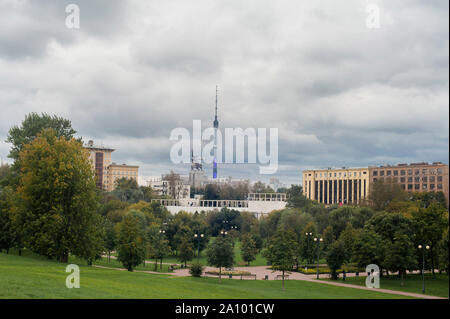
{"x":278,"y":277}
{"x":251,"y":275}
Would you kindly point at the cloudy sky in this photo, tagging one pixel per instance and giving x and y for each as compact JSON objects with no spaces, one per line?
{"x":340,"y":93}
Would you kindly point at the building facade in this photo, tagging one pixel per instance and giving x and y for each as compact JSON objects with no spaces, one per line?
{"x":107,"y":172}
{"x":352,"y":185}
{"x":414,"y":177}
{"x":161,"y":186}
{"x":337,"y":186}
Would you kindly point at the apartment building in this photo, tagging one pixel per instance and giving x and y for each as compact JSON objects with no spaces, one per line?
{"x":106,"y":171}
{"x":415,"y":177}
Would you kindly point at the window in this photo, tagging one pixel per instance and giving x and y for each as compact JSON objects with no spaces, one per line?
{"x":381,"y":173}
{"x":410,"y":172}
{"x":439,"y":170}
{"x":402,"y":172}
{"x":431,"y":186}
{"x":439,"y":179}
{"x":402,"y":179}
{"x":417,"y":172}
{"x":410,"y":186}
{"x":424,"y":171}
{"x":424,"y":186}
{"x":432,"y":171}
{"x":395,"y":173}
{"x":417,"y":179}
{"x":375,"y":173}
{"x":410,"y":179}
{"x":424,"y":179}
{"x":432,"y":178}
{"x":334,"y":174}
{"x":417,"y":186}
{"x":388,"y":173}
{"x":403,"y":186}
{"x":439,"y":186}
{"x":374,"y":180}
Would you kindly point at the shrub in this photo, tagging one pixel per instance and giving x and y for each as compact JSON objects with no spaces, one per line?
{"x":196,"y":270}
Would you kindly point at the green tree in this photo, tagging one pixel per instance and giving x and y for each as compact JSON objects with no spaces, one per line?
{"x":347,"y":238}
{"x":383,"y":192}
{"x":220,"y":254}
{"x":281,"y":251}
{"x":307,"y":246}
{"x":429,"y":225}
{"x":185,"y":251}
{"x":370,"y":248}
{"x":296,"y":199}
{"x":58,"y":199}
{"x":335,"y":258}
{"x":248,"y":248}
{"x":7,"y":229}
{"x":131,"y":242}
{"x":443,"y":252}
{"x":110,"y":238}
{"x":400,"y":255}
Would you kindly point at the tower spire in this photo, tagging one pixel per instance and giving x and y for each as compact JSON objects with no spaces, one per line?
{"x":216,"y":126}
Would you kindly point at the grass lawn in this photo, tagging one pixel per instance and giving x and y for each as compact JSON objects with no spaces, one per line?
{"x":36,"y":277}
{"x":438,"y":286}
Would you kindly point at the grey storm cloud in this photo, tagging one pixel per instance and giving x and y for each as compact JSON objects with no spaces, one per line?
{"x":339,"y":93}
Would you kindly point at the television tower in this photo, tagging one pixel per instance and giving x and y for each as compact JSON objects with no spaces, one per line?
{"x":216,"y":126}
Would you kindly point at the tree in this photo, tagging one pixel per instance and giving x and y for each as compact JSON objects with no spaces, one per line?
{"x":443,"y":252}
{"x":384,"y":192}
{"x":220,"y":254}
{"x":370,"y":248}
{"x":335,"y":258}
{"x":185,"y":251}
{"x":58,"y":199}
{"x":248,"y":248}
{"x":4,"y":171}
{"x":31,"y":126}
{"x":339,"y":219}
{"x":347,"y":238}
{"x":127,"y":190}
{"x":7,"y":229}
{"x":131,"y":242}
{"x":296,"y":199}
{"x":110,"y":237}
{"x":400,"y":255}
{"x":281,"y":251}
{"x":429,"y":225}
{"x":159,"y":247}
{"x":19,"y":136}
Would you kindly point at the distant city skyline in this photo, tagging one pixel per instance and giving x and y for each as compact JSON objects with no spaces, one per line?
{"x":340,"y":93}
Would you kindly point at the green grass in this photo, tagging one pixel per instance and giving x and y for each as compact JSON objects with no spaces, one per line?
{"x":438,"y":286}
{"x":36,"y":277}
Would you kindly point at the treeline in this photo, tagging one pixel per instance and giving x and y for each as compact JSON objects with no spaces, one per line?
{"x":388,"y":232}
{"x":234,"y":191}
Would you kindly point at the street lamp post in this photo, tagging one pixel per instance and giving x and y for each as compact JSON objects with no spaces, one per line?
{"x":318,"y":241}
{"x":308,"y":236}
{"x":423,"y":265}
{"x":198,"y":236}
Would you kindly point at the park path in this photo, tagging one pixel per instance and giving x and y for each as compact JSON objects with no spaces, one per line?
{"x":262,"y":271}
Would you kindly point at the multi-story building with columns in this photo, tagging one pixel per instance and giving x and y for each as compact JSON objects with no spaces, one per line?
{"x":336,"y":186}
{"x":353,"y":185}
